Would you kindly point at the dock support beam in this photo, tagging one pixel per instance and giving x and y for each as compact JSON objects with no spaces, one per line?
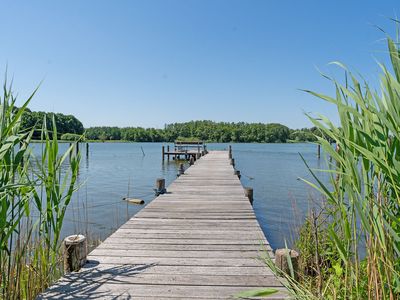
{"x":248,"y":192}
{"x":163,"y":151}
{"x":168,"y":152}
{"x":75,"y":252}
{"x":237,"y":173}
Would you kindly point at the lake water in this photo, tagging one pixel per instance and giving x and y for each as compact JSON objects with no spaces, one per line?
{"x":116,"y":170}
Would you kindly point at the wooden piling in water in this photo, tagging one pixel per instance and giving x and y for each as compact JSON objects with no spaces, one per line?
{"x":75,"y":252}
{"x":318,"y":150}
{"x":282,"y":257}
{"x":163,"y":151}
{"x":237,"y":173}
{"x":191,"y":161}
{"x":248,"y":191}
{"x":87,"y":149}
{"x":160,"y":184}
{"x":181,"y":169}
{"x":168,"y":152}
{"x":232,"y":162}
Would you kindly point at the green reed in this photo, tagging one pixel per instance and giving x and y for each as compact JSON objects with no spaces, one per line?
{"x":34,"y":195}
{"x":363,"y":198}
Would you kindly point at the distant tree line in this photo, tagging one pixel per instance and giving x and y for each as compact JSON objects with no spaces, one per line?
{"x":70,"y":128}
{"x":207,"y":131}
{"x":66,"y":124}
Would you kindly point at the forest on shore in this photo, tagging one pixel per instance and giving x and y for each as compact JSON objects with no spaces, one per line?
{"x":70,"y":128}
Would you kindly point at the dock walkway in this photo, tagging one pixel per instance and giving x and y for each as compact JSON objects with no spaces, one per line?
{"x":200,"y":240}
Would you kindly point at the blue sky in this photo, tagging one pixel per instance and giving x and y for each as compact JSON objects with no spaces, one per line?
{"x":147,"y":63}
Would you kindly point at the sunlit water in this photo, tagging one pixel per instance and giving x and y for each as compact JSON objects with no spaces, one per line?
{"x":112,"y":171}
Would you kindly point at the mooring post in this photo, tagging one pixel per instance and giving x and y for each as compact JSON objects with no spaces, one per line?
{"x":87,"y":149}
{"x":191,"y":161}
{"x":248,"y":192}
{"x":197,"y":155}
{"x":160,"y":186}
{"x":181,"y":169}
{"x":282,"y":257}
{"x":77,"y":147}
{"x":75,"y":252}
{"x":168,"y":152}
{"x":230,"y":151}
{"x":318,"y":150}
{"x":163,"y":151}
{"x":232,"y":162}
{"x":237,"y":173}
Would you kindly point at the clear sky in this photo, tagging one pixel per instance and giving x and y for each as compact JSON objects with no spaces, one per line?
{"x":147,"y":63}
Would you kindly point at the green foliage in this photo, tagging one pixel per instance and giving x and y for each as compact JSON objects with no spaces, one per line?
{"x":64,"y":123}
{"x":256,"y":293}
{"x":34,"y":195}
{"x":363,"y":196}
{"x":198,"y":130}
{"x":71,"y":137}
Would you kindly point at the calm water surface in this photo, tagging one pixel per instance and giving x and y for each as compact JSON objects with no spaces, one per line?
{"x":116,"y":170}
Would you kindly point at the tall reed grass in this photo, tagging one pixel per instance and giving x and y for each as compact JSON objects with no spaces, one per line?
{"x":34,"y":195}
{"x":356,"y":250}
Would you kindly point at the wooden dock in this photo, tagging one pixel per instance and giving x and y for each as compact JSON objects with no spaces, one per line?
{"x":200,"y":240}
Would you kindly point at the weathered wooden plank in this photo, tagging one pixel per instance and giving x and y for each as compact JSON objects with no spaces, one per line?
{"x":182,"y":241}
{"x":126,"y":245}
{"x":177,"y":253}
{"x":182,"y":270}
{"x":95,"y":290}
{"x":173,"y":261}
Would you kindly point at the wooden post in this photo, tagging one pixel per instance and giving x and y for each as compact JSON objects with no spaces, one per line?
{"x":237,"y":172}
{"x":77,"y":147}
{"x":87,"y":149}
{"x":163,"y":151}
{"x":168,"y":152}
{"x":75,"y":252}
{"x":191,"y":161}
{"x":181,"y":169}
{"x":232,"y":162}
{"x":230,"y":151}
{"x":281,"y":260}
{"x":160,"y":184}
{"x":248,"y":192}
{"x":318,"y":150}
{"x":197,"y":155}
